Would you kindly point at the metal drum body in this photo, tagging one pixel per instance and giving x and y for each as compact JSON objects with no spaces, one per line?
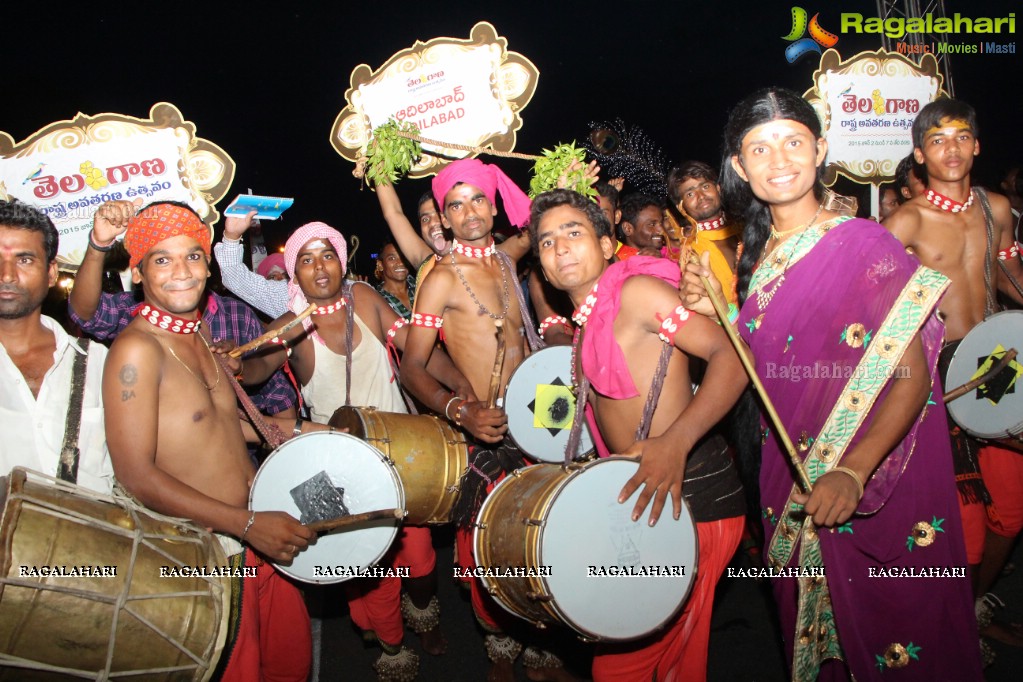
{"x":428,"y":455}
{"x":540,"y":405}
{"x":570,"y":521}
{"x":369,"y":482}
{"x":141,"y":620}
{"x":984,"y":413}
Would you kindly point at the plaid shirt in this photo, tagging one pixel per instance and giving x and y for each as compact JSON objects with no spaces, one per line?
{"x":225,"y":318}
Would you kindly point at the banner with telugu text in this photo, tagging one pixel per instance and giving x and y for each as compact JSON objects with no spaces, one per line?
{"x":867,"y":105}
{"x":68,"y":168}
{"x":468,"y":92}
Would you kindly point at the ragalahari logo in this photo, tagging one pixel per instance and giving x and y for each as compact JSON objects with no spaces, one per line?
{"x":802,"y":46}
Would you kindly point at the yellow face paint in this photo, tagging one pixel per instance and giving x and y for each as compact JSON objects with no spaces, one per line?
{"x":949,"y":126}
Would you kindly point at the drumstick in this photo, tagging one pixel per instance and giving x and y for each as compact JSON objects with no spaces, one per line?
{"x":495,"y":376}
{"x":272,"y":334}
{"x":740,"y":349}
{"x":1009,"y":356}
{"x":354,"y":519}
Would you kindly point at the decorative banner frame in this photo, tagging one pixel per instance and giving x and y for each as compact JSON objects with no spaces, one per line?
{"x":469,"y":92}
{"x":868,"y":133}
{"x":68,"y":168}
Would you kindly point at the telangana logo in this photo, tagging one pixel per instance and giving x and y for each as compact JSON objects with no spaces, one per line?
{"x":803,"y":46}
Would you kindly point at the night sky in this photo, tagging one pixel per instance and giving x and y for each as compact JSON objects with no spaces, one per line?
{"x":266,"y":85}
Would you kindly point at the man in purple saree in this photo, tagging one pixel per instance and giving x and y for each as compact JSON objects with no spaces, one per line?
{"x":826,"y":361}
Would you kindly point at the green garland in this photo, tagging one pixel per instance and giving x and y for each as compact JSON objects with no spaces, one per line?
{"x":389,"y":156}
{"x":553,"y":164}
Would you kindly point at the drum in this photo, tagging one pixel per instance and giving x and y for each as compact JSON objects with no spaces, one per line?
{"x":83,"y":588}
{"x":323,"y":475}
{"x":596,"y":571}
{"x":540,"y":405}
{"x":993,"y":410}
{"x":428,"y":455}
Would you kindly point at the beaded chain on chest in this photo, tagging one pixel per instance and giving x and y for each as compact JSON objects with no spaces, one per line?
{"x":505,"y":297}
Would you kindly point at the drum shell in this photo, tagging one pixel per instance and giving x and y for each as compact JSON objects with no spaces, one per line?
{"x":1002,"y":423}
{"x":370,"y":483}
{"x":548,"y":366}
{"x":508,"y":535}
{"x":570,"y":523}
{"x":428,"y":455}
{"x":48,"y":525}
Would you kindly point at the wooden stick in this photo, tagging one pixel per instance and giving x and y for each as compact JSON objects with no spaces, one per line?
{"x":272,"y":334}
{"x":355,"y":519}
{"x":740,"y":348}
{"x":495,"y":375}
{"x":466,"y":148}
{"x":1009,"y":356}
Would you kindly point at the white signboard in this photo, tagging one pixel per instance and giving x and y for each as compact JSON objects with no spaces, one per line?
{"x":69,"y":168}
{"x":465,"y":92}
{"x":868,"y":105}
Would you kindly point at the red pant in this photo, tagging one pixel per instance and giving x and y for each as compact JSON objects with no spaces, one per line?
{"x":374,"y":603}
{"x":274,"y":642}
{"x":490,"y":615}
{"x":679,"y":652}
{"x":1002,"y":471}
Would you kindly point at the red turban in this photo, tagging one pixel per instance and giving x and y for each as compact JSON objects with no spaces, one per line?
{"x":156,"y":223}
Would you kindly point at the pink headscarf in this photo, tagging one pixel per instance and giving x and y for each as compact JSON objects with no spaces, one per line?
{"x":491,"y":180}
{"x":296,"y":299}
{"x":272,"y":260}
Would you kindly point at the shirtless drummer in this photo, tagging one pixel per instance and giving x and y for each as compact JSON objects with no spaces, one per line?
{"x":964,"y":233}
{"x":178,"y":446}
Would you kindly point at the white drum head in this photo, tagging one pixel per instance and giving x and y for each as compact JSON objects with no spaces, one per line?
{"x":994,"y":410}
{"x":369,"y":483}
{"x":540,"y":405}
{"x":587,"y":532}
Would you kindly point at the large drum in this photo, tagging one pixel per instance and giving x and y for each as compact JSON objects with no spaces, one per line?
{"x":607,"y":577}
{"x":994,"y":410}
{"x":541,"y":405}
{"x":321,"y":475}
{"x":84,"y":588}
{"x":428,"y":455}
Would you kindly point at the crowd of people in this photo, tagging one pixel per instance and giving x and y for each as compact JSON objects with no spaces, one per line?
{"x":878,"y":478}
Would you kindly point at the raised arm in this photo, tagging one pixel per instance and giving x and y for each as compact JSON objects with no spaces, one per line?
{"x":267,"y":296}
{"x":110,"y":221}
{"x":405,"y":234}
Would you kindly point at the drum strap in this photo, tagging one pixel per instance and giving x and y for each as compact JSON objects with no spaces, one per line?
{"x":349,"y":298}
{"x":271,"y":433}
{"x":69,"y":453}
{"x":583,"y":392}
{"x":534,"y":340}
{"x":989,"y":224}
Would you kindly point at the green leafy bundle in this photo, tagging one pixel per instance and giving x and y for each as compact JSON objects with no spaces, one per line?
{"x":389,"y":155}
{"x":554,"y":163}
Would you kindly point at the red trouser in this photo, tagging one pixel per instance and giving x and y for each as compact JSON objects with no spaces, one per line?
{"x":1002,"y":471}
{"x":274,"y":642}
{"x":679,"y":652}
{"x":374,"y":603}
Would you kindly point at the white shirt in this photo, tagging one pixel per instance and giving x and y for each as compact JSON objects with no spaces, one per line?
{"x":269,"y":296}
{"x":33,"y":428}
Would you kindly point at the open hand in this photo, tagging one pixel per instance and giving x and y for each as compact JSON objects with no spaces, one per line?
{"x":661,"y":470}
